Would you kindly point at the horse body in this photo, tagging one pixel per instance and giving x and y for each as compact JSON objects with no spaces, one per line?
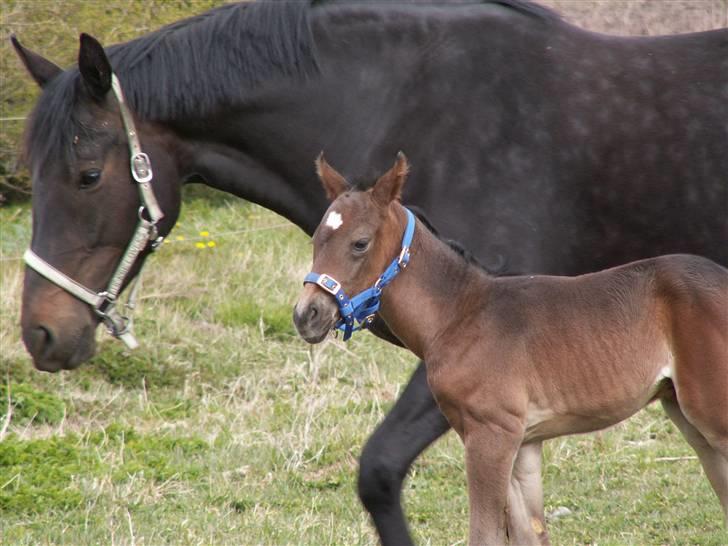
{"x":514,"y":361}
{"x":543,"y":148}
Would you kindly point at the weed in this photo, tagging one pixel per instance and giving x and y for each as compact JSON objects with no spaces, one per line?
{"x":28,"y":403}
{"x":274,"y":320}
{"x":134,"y":370}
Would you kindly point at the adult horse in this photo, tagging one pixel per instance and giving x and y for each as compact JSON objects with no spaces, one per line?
{"x":542,"y":147}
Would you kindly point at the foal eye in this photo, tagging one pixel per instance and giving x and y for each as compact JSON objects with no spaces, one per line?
{"x":361,"y":245}
{"x":90,"y":178}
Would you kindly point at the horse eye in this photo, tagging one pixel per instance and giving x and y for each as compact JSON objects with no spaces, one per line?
{"x":90,"y":178}
{"x":361,"y":245}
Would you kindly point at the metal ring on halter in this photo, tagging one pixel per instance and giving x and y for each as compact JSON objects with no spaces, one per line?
{"x":141,"y":167}
{"x":108,"y":303}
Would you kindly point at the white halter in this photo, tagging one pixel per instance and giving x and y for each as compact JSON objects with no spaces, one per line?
{"x":104,"y":302}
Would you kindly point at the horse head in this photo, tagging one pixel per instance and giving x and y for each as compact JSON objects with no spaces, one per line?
{"x":85,"y":202}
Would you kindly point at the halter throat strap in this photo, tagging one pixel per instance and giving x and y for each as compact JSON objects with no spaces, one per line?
{"x":104,"y":303}
{"x":359,"y":311}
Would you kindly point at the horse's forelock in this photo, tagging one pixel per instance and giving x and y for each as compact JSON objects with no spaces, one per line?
{"x":52,"y":123}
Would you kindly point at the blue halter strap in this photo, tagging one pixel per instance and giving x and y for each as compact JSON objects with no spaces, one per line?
{"x":358,"y":312}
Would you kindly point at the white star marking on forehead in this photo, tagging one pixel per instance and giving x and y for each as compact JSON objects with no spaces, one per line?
{"x":333,"y":220}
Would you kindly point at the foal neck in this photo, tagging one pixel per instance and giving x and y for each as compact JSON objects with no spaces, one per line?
{"x":433,"y":294}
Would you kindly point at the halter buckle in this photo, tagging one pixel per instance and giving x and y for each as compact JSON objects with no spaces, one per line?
{"x":141,"y":167}
{"x":331,"y":285}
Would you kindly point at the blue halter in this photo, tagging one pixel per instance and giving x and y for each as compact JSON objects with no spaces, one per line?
{"x":358,"y":312}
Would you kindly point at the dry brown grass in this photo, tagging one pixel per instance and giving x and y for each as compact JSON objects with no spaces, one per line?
{"x":643,"y":17}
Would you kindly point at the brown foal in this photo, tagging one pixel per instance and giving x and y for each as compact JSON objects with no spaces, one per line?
{"x":515,"y":361}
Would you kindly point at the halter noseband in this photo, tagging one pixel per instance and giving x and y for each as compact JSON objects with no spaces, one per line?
{"x":358,"y":312}
{"x":104,"y":303}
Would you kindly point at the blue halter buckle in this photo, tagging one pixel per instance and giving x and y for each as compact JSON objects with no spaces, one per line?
{"x":358,"y":312}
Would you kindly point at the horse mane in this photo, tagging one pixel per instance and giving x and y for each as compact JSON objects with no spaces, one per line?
{"x":188,"y":68}
{"x":169,"y":73}
{"x":525,"y":7}
{"x":528,"y":8}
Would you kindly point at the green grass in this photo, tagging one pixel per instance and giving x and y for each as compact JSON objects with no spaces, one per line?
{"x":225,"y":428}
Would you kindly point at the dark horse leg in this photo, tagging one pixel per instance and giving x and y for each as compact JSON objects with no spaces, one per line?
{"x":411,"y":425}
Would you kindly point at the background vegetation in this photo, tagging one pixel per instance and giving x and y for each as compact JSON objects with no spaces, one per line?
{"x":224,"y":428}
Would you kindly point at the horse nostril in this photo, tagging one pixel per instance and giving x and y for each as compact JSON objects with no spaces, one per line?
{"x":312,"y":311}
{"x":41,"y":339}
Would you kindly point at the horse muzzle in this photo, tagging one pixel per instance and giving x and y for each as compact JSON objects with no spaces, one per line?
{"x":57,"y":329}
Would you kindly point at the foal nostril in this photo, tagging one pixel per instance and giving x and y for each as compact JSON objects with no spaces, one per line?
{"x":312,"y":311}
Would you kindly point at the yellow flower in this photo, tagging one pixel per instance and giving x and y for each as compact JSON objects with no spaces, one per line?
{"x":204,"y":234}
{"x":200,"y":245}
{"x":180,"y":238}
{"x":211,"y":244}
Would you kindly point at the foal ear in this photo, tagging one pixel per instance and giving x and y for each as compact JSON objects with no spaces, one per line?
{"x":389,"y":186}
{"x":94,"y":66}
{"x":334,"y":184}
{"x":41,"y":69}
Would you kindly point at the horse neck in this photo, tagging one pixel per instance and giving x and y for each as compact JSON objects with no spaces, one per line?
{"x":432,"y":294}
{"x":262,"y":148}
{"x":225,"y":161}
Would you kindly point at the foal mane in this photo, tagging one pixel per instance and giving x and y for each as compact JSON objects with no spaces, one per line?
{"x":454,"y":245}
{"x":188,"y":68}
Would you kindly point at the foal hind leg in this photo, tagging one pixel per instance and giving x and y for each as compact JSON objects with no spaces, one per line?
{"x":714,"y":462}
{"x":526,"y":523}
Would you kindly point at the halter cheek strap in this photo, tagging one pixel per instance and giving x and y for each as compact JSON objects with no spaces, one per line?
{"x":104,"y":303}
{"x":358,"y":312}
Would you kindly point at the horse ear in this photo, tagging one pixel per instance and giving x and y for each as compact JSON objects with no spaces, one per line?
{"x":41,"y":69}
{"x":389,"y":186}
{"x":94,"y":66}
{"x":334,"y":184}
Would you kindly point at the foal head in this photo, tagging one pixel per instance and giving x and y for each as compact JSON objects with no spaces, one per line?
{"x":358,"y":237}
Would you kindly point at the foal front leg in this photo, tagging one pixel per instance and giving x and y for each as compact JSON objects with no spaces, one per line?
{"x":490,"y":452}
{"x":526,"y":523}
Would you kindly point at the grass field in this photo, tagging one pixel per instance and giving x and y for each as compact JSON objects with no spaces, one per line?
{"x":224,"y":428}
